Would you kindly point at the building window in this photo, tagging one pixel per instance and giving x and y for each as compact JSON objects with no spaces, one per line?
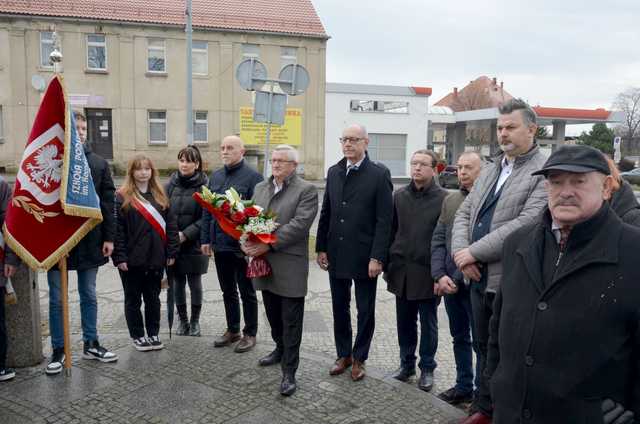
{"x":200,"y":127}
{"x":157,"y":127}
{"x":288,"y":56}
{"x":200,"y":57}
{"x":156,"y":55}
{"x":379,"y":106}
{"x":97,"y":52}
{"x":250,"y":51}
{"x":46,"y":47}
{"x":391,"y":150}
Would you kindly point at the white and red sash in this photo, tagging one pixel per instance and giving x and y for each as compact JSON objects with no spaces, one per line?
{"x":152,"y":216}
{"x":1,"y":246}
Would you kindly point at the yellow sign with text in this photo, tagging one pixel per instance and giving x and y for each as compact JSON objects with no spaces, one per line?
{"x":255,"y":132}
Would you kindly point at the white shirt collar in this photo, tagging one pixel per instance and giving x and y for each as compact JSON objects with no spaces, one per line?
{"x":357,"y":164}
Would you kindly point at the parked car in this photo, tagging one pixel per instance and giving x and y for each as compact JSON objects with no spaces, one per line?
{"x":449,"y":177}
{"x":633,"y":176}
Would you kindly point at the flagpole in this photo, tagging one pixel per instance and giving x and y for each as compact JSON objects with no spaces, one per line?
{"x":64,"y":292}
{"x":56,"y":58}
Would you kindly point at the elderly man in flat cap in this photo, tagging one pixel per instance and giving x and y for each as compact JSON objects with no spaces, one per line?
{"x":565,"y":333}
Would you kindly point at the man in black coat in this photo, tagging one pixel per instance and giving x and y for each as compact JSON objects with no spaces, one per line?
{"x":352,"y":243}
{"x":91,"y":252}
{"x":230,"y":263}
{"x":565,"y":334}
{"x":416,"y":210}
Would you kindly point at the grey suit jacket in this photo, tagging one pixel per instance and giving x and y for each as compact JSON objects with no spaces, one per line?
{"x":296,"y":205}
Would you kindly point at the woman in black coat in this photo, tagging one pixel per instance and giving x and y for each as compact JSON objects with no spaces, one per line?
{"x":191,"y":264}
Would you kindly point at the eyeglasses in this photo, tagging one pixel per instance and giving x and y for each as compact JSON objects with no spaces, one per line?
{"x":352,"y":140}
{"x":276,"y":161}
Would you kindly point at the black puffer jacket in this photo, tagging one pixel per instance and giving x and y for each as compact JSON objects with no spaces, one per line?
{"x":188,"y":213}
{"x":625,"y":205}
{"x":138,"y":243}
{"x":88,"y":252}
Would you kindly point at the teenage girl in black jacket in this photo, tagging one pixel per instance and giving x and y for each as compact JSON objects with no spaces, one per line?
{"x":146,"y":242}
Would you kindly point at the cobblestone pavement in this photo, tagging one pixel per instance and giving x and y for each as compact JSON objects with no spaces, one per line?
{"x":190,"y":381}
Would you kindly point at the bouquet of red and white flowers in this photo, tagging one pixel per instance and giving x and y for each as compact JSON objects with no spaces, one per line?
{"x":243,"y":220}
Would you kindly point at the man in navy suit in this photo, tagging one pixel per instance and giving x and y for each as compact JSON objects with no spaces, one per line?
{"x":352,"y":244}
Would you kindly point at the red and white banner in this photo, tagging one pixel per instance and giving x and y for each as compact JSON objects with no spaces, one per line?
{"x":54,"y":203}
{"x":152,"y":216}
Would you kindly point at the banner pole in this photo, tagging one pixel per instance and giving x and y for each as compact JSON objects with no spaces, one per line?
{"x":64,"y":292}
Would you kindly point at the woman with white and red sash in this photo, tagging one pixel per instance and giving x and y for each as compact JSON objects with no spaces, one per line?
{"x":146,"y":242}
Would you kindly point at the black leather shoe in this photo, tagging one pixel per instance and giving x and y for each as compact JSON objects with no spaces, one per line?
{"x":288,"y":385}
{"x":426,"y":381}
{"x":453,"y":397}
{"x":271,"y":359}
{"x":403,"y":374}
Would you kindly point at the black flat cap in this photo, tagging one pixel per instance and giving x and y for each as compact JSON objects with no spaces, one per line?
{"x":578,"y":158}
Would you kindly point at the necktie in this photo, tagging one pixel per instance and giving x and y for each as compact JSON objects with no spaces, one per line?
{"x":564,"y":236}
{"x":351,"y":167}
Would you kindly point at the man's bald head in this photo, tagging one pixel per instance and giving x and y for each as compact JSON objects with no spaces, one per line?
{"x":231,"y":150}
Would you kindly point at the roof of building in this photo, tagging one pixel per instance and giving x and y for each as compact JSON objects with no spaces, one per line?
{"x":558,"y":112}
{"x":377,"y":90}
{"x":295,"y":17}
{"x":481,"y":93}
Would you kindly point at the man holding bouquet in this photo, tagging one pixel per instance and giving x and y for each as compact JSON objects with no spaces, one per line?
{"x":295,"y":204}
{"x":230,"y":264}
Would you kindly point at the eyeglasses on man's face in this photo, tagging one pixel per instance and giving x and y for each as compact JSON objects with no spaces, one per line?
{"x":276,"y":161}
{"x":351,"y":140}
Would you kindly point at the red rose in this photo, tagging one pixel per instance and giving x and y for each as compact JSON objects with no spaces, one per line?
{"x":238,"y":217}
{"x":251,"y":212}
{"x":226,"y":207}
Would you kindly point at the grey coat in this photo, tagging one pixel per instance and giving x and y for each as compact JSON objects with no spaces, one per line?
{"x":523,"y":198}
{"x":296,"y":206}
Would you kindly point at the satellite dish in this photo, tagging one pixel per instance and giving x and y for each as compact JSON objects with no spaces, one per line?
{"x":251,"y":74}
{"x":37,"y":82}
{"x":293,"y":79}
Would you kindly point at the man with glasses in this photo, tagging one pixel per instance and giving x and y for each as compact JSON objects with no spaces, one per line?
{"x":352,"y":243}
{"x":415,"y":215}
{"x":230,"y":263}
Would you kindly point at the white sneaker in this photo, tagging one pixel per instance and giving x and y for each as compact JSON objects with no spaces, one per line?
{"x":56,"y":363}
{"x":93,"y":350}
{"x":155,"y":342}
{"x":142,"y":344}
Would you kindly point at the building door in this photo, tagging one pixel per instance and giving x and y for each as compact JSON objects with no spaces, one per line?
{"x":100,"y":132}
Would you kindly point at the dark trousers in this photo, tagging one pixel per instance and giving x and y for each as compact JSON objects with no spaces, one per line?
{"x":482,"y":307}
{"x":232,"y":271}
{"x":3,"y":331}
{"x":407,"y":312}
{"x":458,"y":306}
{"x":139,"y":284}
{"x":285,"y":315}
{"x":365,"y":305}
{"x":195,"y":288}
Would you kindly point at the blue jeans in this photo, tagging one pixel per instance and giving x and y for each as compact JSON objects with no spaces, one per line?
{"x":88,"y":306}
{"x":407,"y":312}
{"x":458,"y":306}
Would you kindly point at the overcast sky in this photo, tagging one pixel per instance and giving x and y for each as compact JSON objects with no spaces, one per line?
{"x":559,"y":53}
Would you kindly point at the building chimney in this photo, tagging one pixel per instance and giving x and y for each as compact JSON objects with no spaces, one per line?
{"x":501,"y":85}
{"x":495,"y":81}
{"x":455,"y":91}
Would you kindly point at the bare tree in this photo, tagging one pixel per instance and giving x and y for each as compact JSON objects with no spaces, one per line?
{"x":628,"y":102}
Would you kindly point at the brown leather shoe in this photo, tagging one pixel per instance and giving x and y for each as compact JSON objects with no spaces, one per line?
{"x":226,"y":339}
{"x":357,"y":371}
{"x":245,"y":344}
{"x":341,"y":365}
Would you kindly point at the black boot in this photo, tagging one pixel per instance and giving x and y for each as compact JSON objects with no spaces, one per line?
{"x":183,"y":326}
{"x":288,"y":384}
{"x":195,"y":320}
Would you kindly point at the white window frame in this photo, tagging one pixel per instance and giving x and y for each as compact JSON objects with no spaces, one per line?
{"x":204,"y":122}
{"x":249,"y":55}
{"x":204,"y":51}
{"x":163,"y":49}
{"x":287,"y":59}
{"x":50,"y":42}
{"x":151,"y":121}
{"x":98,"y":44}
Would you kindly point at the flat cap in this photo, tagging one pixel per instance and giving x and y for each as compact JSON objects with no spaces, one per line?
{"x":577,"y":158}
